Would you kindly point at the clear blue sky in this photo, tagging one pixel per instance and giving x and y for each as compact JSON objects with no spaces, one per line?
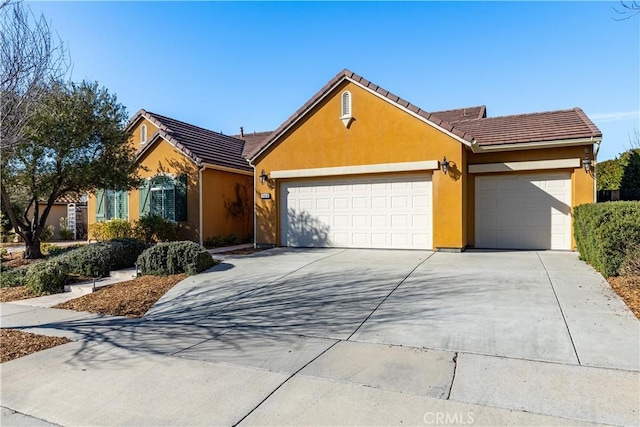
{"x":226,"y":65}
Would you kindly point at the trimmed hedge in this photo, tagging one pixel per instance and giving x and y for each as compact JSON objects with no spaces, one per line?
{"x":96,"y":260}
{"x":175,"y":257}
{"x":12,"y":278}
{"x":47,"y":277}
{"x":606,"y":233}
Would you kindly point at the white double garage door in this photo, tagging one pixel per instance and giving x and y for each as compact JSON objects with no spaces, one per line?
{"x":512,"y":212}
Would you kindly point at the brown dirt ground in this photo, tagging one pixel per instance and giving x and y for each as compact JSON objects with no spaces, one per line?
{"x":130,"y":299}
{"x":628,"y":288}
{"x":16,"y":293}
{"x":14,"y":344}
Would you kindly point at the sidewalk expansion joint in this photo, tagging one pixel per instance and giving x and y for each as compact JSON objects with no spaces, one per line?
{"x":284,"y":382}
{"x":564,"y":318}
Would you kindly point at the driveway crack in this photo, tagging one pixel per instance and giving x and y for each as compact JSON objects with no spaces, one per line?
{"x":564,"y":318}
{"x":453,"y":377}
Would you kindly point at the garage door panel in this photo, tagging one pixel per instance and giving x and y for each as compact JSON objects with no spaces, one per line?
{"x":523,"y":211}
{"x":391,"y":212}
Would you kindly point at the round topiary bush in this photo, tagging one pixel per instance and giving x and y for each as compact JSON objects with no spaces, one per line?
{"x":174,"y":258}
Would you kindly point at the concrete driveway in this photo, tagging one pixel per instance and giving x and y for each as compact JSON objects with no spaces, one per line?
{"x":346,"y":337}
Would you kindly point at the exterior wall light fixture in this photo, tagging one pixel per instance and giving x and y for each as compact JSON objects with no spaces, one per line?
{"x":445,"y":165}
{"x":586,"y":163}
{"x":263,"y":177}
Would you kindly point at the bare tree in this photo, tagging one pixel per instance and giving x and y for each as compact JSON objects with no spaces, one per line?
{"x":31,"y":58}
{"x":627,"y":10}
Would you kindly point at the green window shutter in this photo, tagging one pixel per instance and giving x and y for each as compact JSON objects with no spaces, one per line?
{"x":100,"y":205}
{"x":181,"y":198}
{"x":110,"y":204}
{"x":122,"y":201}
{"x":144,"y":198}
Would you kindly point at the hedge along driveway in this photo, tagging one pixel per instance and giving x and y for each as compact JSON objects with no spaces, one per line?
{"x":605,"y":233}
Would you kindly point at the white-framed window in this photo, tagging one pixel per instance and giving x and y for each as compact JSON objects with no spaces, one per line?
{"x":165,"y":196}
{"x":346,"y":104}
{"x":111,"y":204}
{"x":143,"y":134}
{"x":163,"y":199}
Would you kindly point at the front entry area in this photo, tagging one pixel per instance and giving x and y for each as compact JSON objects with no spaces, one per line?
{"x":531,"y":211}
{"x":385,"y":212}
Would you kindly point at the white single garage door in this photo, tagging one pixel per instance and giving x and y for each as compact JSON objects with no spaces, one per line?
{"x":523,"y":211}
{"x":391,"y":212}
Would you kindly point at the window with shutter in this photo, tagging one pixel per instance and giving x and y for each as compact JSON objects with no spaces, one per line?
{"x":144,"y":202}
{"x":181,"y":198}
{"x":100,"y":208}
{"x":163,"y":197}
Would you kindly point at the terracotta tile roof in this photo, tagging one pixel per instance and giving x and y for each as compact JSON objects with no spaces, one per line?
{"x":462,"y":114}
{"x":69,"y":198}
{"x":66,"y":199}
{"x":468,"y":124}
{"x":199,"y":144}
{"x":252,"y":140}
{"x":535,"y":127}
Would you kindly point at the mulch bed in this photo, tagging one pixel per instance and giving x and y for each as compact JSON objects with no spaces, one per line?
{"x":132,"y":298}
{"x":16,"y":293}
{"x":14,"y":344}
{"x":628,"y":288}
{"x":246,"y":251}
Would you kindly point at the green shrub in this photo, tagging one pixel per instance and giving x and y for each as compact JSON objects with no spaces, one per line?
{"x":154,"y":228}
{"x":90,"y":260}
{"x":13,"y":277}
{"x":65,"y":232}
{"x":97,"y":259}
{"x":46,"y":248}
{"x":47,"y":277}
{"x":175,"y":257}
{"x":117,"y":229}
{"x":47,"y":233}
{"x":606,"y":232}
{"x":54,"y":250}
{"x":124,"y":252}
{"x":96,"y":231}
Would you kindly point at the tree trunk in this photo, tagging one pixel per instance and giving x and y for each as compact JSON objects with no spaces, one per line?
{"x":31,"y":247}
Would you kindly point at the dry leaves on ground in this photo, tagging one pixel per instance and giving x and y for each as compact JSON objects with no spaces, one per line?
{"x":15,"y":260}
{"x":132,"y":298}
{"x":14,"y":344}
{"x":16,"y":293}
{"x":628,"y":288}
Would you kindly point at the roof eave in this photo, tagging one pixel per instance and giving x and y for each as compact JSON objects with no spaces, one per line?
{"x":478,"y":148}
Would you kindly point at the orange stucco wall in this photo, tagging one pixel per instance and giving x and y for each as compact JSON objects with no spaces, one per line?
{"x":218,"y":187}
{"x":582,"y":183}
{"x":227,"y":204}
{"x":383,"y":133}
{"x":380,"y":133}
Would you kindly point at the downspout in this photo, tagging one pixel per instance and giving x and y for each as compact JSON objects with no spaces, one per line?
{"x":595,"y":170}
{"x":200,"y":203}
{"x":255,"y":222}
